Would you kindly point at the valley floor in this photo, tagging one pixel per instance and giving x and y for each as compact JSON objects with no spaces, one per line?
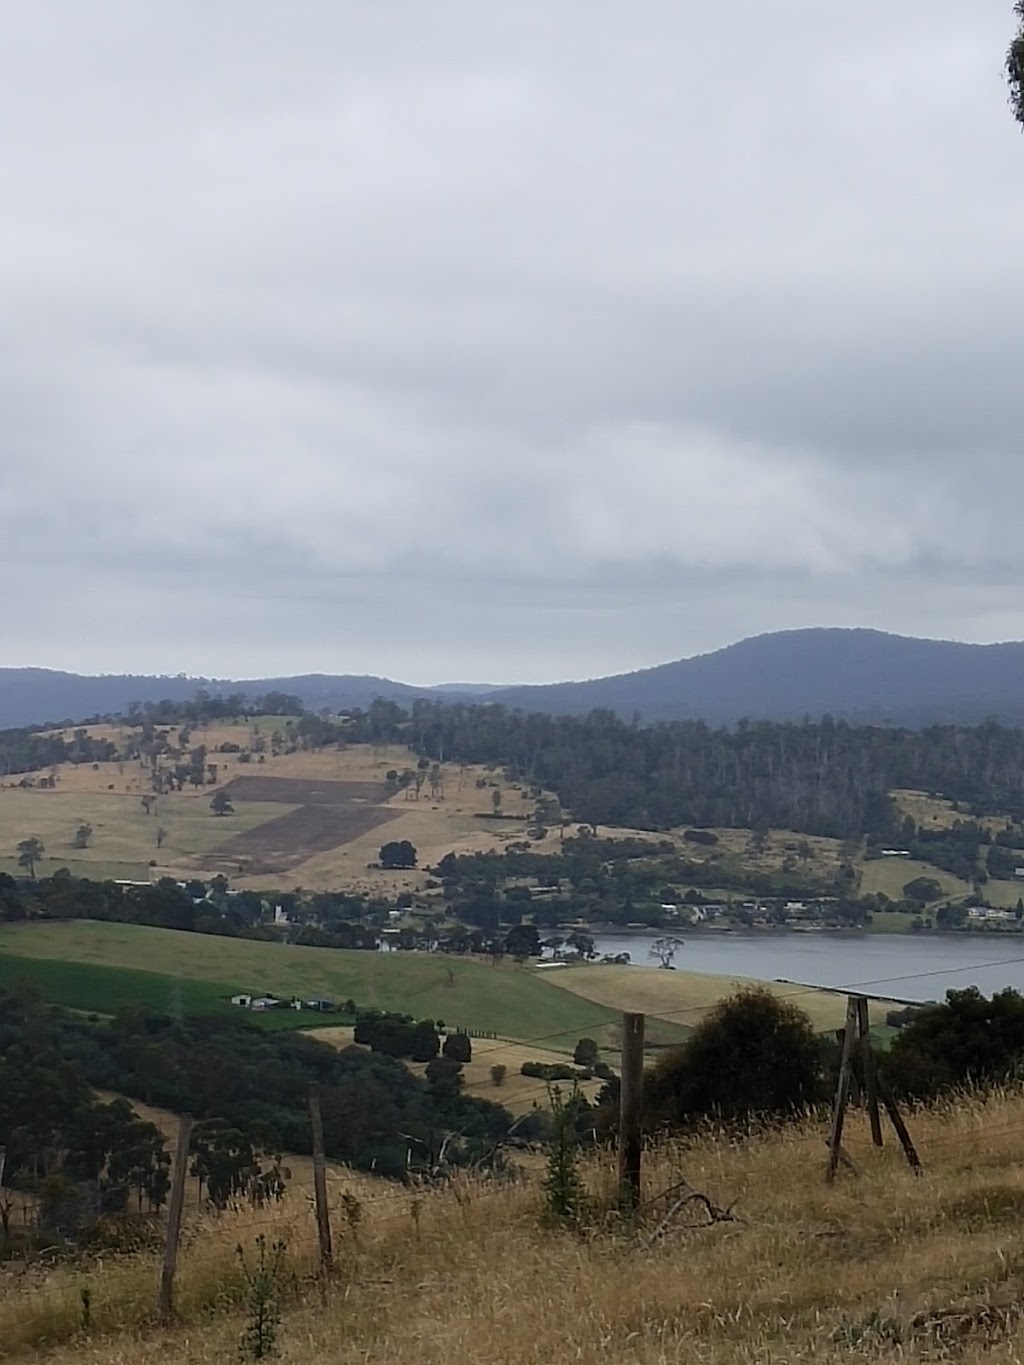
{"x":880,"y":1266}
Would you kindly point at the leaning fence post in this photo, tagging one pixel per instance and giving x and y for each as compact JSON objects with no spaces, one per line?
{"x":174,"y":1210}
{"x":842,"y":1088}
{"x":323,"y":1217}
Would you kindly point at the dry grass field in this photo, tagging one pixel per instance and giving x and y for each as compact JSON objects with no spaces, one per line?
{"x":281,"y":838}
{"x":518,"y":1093}
{"x":123,"y":834}
{"x":877,"y":1267}
{"x":686,"y":996}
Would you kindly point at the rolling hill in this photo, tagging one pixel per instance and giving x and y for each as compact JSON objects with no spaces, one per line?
{"x":859,"y":675}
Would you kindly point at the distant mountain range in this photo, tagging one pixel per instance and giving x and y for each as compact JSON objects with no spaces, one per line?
{"x":858,"y":675}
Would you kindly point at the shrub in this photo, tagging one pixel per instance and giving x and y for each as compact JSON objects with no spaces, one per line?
{"x":549,"y":1071}
{"x":458,"y":1047}
{"x":586,"y":1053}
{"x":754,"y":1054}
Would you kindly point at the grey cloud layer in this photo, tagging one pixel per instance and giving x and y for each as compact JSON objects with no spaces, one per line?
{"x":511,"y":341}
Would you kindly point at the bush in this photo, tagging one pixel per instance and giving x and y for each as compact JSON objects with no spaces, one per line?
{"x":458,"y":1047}
{"x":902,"y":1017}
{"x":398,"y":854}
{"x":586,"y":1053}
{"x":753,"y":1055}
{"x":923,"y":889}
{"x":549,"y":1071}
{"x":700,"y":836}
{"x":444,"y":1071}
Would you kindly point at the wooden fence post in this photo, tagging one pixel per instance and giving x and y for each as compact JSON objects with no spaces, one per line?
{"x":870,"y":1075}
{"x":323,"y":1216}
{"x":842,"y":1088}
{"x":631,"y":1110}
{"x":909,"y":1150}
{"x":166,"y":1301}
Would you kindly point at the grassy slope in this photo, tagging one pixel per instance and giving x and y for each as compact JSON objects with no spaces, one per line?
{"x":684,"y":996}
{"x":511,"y":1001}
{"x":474,"y":1278}
{"x":122,"y":833}
{"x":94,"y":989}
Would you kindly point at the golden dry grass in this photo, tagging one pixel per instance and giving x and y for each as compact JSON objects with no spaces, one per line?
{"x":108,"y":797}
{"x":519,"y":1094}
{"x":123,"y":835}
{"x":684,"y":997}
{"x":469,"y":1276}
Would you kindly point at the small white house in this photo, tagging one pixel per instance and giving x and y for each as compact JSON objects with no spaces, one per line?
{"x":244,"y":1001}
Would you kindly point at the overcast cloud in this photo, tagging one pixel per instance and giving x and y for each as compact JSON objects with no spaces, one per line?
{"x":508,"y":340}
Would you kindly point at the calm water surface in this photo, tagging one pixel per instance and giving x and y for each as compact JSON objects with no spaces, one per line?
{"x":909,"y":967}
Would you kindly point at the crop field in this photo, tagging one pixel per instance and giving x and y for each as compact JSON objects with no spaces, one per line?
{"x":296,"y":791}
{"x":291,"y":839}
{"x":514,"y":1002}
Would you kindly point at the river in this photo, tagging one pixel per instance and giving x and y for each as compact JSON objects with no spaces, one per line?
{"x":907,"y":967}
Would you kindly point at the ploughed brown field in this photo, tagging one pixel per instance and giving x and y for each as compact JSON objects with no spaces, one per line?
{"x":297,"y":791}
{"x":329,"y":814}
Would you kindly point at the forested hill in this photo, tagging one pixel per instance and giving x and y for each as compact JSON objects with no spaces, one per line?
{"x":862,"y":675}
{"x":857,"y":675}
{"x":825,"y":777}
{"x":37,"y":696}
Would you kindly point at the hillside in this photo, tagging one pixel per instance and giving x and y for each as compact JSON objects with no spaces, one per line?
{"x":859,"y":675}
{"x":37,"y":696}
{"x":880,"y":1266}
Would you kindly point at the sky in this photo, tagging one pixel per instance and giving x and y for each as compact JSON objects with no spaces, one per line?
{"x":505,"y":342}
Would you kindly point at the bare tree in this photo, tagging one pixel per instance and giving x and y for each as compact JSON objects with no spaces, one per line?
{"x":664,"y":949}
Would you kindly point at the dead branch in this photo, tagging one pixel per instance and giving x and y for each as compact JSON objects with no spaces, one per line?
{"x":714,"y":1213}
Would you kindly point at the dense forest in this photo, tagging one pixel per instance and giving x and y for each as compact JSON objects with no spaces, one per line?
{"x":824,"y":777}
